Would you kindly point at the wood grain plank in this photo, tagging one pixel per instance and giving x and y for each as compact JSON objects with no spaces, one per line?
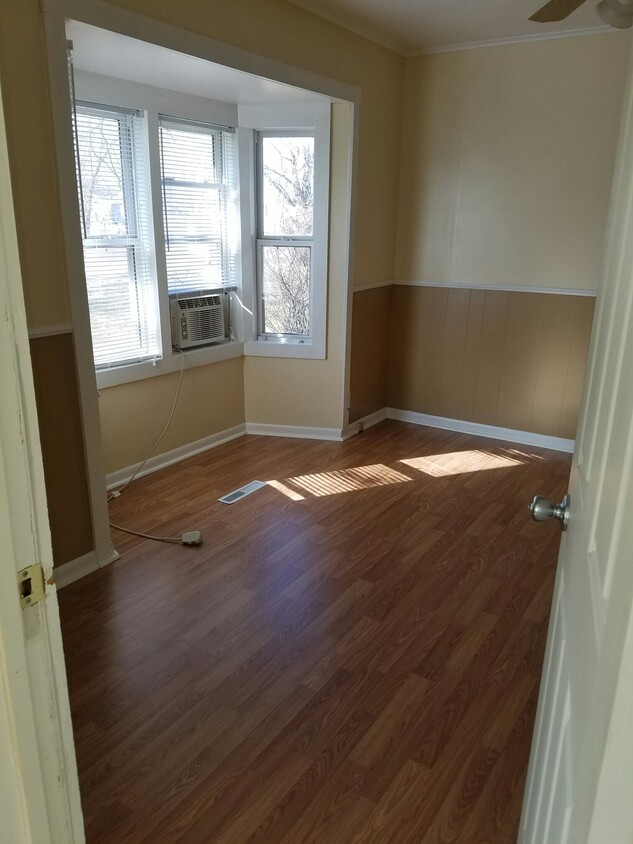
{"x":357,"y":666}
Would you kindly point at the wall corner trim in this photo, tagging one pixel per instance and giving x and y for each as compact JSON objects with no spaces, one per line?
{"x":363,"y":423}
{"x":373,"y":286}
{"x":296,"y":431}
{"x":480,"y":430}
{"x":508,"y":288}
{"x":513,"y":39}
{"x":50,"y":330}
{"x":74,"y":570}
{"x":160,"y":461}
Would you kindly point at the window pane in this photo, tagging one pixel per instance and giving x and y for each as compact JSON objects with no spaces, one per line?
{"x":194,"y":266}
{"x":285,"y":274}
{"x":104,"y":144}
{"x":199,"y":182}
{"x":287,"y":185}
{"x":122,"y":330}
{"x":193,"y":213}
{"x":120,"y":281}
{"x":189,"y":155}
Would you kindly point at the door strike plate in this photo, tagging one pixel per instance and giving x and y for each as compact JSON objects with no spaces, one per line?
{"x":31,"y":585}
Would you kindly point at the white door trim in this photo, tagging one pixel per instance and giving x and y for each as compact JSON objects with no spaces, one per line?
{"x":39,"y":791}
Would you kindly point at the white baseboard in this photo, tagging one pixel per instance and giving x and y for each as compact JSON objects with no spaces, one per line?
{"x":364,"y":422}
{"x":479,"y":430}
{"x":75,"y":569}
{"x":298,"y":432}
{"x":168,"y":458}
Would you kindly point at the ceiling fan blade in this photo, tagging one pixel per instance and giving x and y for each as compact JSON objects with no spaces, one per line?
{"x":556,"y":10}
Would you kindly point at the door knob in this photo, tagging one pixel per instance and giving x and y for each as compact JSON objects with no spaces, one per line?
{"x":542,"y":509}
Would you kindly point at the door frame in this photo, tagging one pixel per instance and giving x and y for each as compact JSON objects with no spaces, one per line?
{"x":39,"y":789}
{"x":606,"y":811}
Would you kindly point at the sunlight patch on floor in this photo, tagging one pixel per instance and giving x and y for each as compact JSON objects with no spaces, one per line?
{"x":339,"y":480}
{"x":290,"y":493}
{"x":460,"y":462}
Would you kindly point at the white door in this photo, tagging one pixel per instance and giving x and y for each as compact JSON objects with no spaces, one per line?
{"x":580,"y":782}
{"x":39,"y":793}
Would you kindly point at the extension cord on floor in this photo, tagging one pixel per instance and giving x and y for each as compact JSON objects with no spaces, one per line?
{"x":191,"y":537}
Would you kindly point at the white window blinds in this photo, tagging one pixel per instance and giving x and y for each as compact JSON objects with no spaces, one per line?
{"x":199,"y":183}
{"x":116,"y":221}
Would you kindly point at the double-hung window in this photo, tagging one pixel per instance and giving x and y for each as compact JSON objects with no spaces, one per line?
{"x":117,"y":235}
{"x":198,"y":176}
{"x":287,"y":151}
{"x":285,"y":237}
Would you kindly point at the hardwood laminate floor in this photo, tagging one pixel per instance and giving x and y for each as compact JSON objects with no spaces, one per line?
{"x":353,"y":654}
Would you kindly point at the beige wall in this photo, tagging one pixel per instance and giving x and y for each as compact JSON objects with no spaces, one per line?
{"x":514,"y":360}
{"x":507,"y":156}
{"x":270,"y":28}
{"x":33,"y":162}
{"x":133,"y":415}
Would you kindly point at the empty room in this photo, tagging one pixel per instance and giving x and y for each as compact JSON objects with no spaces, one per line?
{"x":316,"y":434}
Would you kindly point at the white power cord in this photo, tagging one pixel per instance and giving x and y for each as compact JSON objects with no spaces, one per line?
{"x":175,"y":539}
{"x":115,"y":493}
{"x":191,"y":538}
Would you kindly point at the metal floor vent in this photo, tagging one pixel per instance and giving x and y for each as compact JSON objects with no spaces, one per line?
{"x":242,"y":492}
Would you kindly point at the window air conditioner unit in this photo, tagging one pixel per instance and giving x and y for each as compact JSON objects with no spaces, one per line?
{"x":197,"y":320}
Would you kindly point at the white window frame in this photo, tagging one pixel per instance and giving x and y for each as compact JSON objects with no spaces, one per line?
{"x":312,"y":119}
{"x":136,"y":241}
{"x":217,"y":133}
{"x":111,"y":92}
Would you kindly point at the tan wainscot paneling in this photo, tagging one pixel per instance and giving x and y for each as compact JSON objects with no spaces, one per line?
{"x":515,"y":360}
{"x":133,"y":415}
{"x":370,"y":351}
{"x":62,"y":446}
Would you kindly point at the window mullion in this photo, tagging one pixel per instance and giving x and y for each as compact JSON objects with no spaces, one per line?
{"x":155,"y":180}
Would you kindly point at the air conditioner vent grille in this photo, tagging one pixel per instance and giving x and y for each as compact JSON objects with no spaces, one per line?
{"x":197,"y":320}
{"x":205,"y":324}
{"x":199,"y":302}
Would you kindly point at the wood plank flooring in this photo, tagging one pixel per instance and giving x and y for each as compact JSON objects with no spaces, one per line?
{"x":353,"y":655}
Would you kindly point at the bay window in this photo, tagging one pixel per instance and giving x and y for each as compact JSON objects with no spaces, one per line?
{"x":165,"y":202}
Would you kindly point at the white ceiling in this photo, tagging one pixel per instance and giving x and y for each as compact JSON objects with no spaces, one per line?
{"x":110,"y":54}
{"x":416,"y":26}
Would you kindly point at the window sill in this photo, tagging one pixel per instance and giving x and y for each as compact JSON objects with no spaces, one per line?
{"x":285,"y":349}
{"x":209,"y":354}
{"x":193,"y":357}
